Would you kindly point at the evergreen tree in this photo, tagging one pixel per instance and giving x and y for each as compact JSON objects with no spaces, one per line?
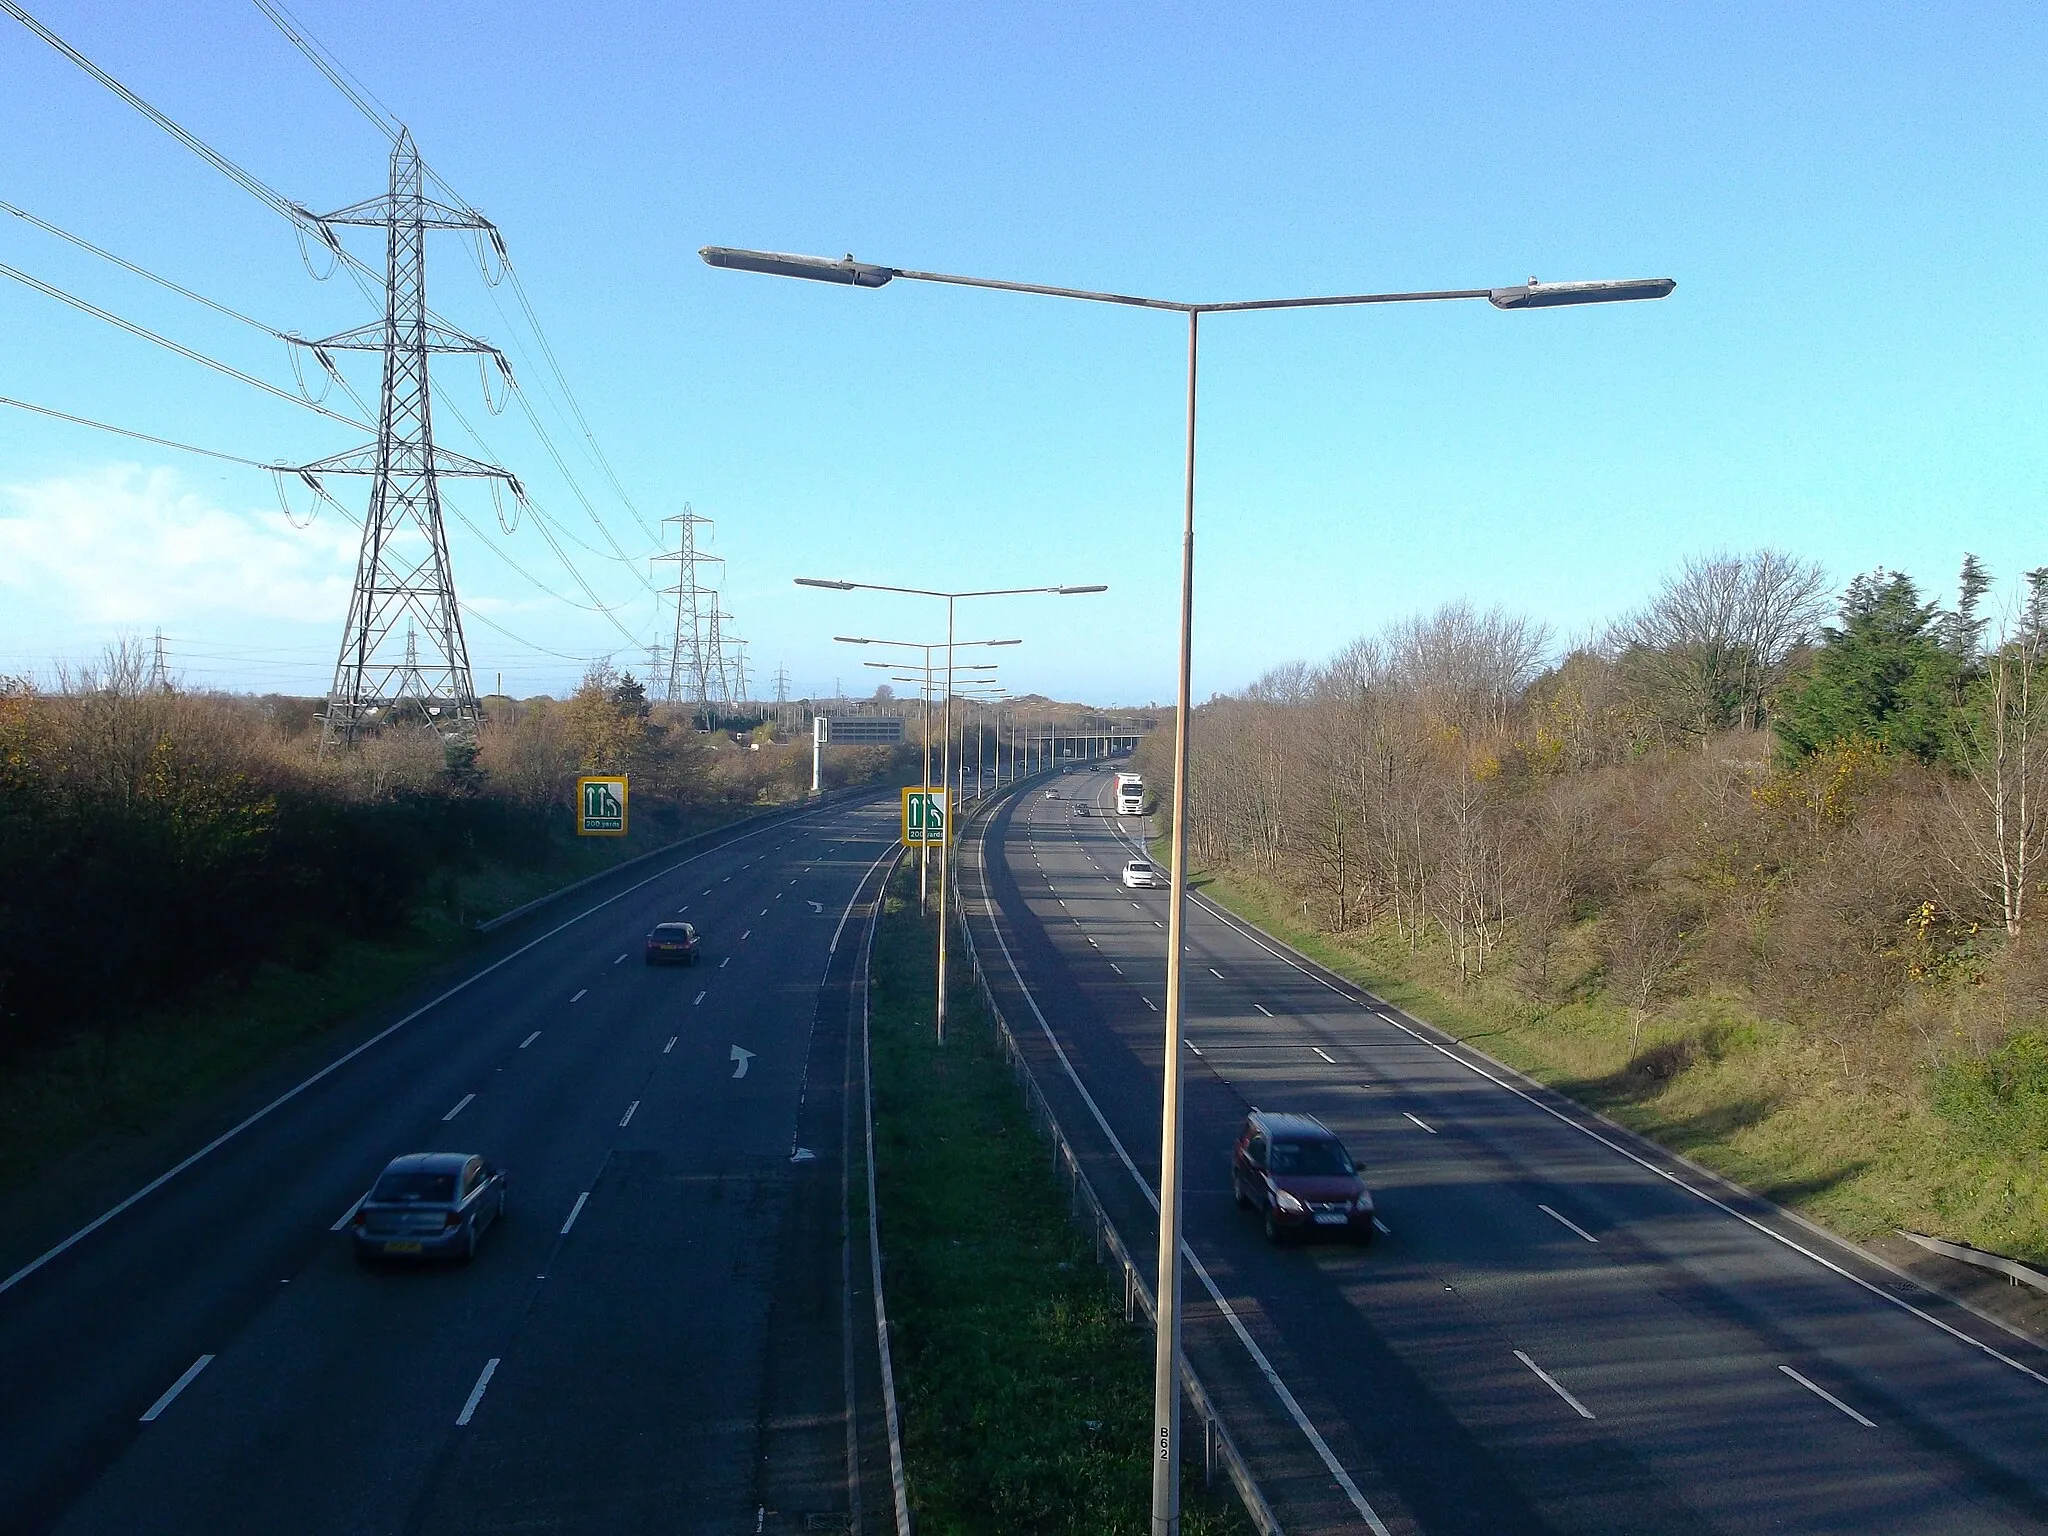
{"x":1884,"y":675}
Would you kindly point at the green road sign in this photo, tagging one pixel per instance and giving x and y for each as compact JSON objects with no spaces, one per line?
{"x":601,"y":806}
{"x":924,"y":817}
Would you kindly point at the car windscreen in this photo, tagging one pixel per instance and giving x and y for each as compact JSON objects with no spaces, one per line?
{"x":1309,"y":1157}
{"x":415,"y":1186}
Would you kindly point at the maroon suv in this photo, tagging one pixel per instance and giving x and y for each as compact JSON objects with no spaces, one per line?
{"x":1295,"y":1172}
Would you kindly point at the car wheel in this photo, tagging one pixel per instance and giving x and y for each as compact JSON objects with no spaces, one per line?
{"x":1273,"y":1233}
{"x":469,"y":1244}
{"x":1362,"y":1236}
{"x":1244,"y":1201}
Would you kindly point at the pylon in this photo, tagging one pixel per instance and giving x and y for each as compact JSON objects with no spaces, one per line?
{"x":688,"y":675}
{"x":159,"y":669}
{"x":403,"y":572}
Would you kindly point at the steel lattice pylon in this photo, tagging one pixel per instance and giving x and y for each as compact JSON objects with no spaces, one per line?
{"x":689,"y":674}
{"x":404,"y":584}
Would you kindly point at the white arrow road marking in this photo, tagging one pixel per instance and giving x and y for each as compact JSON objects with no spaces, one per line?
{"x":740,"y":1058}
{"x":818,"y":907}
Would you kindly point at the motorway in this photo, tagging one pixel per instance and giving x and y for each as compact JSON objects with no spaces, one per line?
{"x":1561,"y":1328}
{"x":660,"y":1335}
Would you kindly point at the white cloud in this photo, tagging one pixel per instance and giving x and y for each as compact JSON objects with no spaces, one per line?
{"x":125,"y":545}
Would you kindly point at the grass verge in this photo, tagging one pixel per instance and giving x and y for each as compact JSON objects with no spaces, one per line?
{"x":1027,"y":1398}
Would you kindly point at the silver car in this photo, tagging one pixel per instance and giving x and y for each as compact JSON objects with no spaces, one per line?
{"x":428,"y":1204}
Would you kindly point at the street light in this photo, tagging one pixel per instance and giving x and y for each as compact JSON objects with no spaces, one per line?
{"x":946,"y":729}
{"x":1531,"y":295}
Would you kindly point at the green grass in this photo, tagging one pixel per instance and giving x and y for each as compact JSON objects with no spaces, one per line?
{"x":100,"y":1091}
{"x":1027,"y":1398}
{"x":1856,"y":1145}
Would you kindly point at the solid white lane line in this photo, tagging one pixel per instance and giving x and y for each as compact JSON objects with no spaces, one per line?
{"x":476,"y":1393}
{"x":529,"y":1040}
{"x":459,"y":1108}
{"x":349,"y":1215}
{"x":575,"y":1211}
{"x":579,"y":996}
{"x":1324,"y":1054}
{"x":1555,"y":1216}
{"x":1820,"y":1392}
{"x":177,"y":1386}
{"x":619,"y":961}
{"x":1251,"y":1347}
{"x":1644,"y":1163}
{"x":671,"y":1044}
{"x":1423,"y":1123}
{"x":627,"y":1117}
{"x":697,"y":999}
{"x":1263,"y":1009}
{"x":1556,"y":1386}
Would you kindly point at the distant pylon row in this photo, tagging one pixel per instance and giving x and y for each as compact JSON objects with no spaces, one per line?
{"x":707,"y":667}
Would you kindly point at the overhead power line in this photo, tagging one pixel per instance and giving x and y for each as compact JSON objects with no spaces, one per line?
{"x":59,"y":294}
{"x":220,"y":162}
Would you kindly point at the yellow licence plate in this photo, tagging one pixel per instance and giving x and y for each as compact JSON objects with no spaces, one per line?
{"x":401,"y":1247}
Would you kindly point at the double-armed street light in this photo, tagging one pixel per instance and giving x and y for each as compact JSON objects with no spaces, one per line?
{"x":1166,"y":1385}
{"x":946,"y":728}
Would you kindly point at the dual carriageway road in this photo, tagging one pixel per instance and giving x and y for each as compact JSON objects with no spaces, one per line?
{"x":1561,"y":1328}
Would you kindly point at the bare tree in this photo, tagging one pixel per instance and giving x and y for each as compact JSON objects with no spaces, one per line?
{"x":2001,"y":742}
{"x":1712,"y":647}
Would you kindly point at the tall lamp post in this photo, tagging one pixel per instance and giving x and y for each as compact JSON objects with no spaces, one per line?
{"x":946,"y":844}
{"x":862,"y":274}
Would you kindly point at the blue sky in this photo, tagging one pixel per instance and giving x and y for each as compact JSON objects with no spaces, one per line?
{"x":1849,"y":197}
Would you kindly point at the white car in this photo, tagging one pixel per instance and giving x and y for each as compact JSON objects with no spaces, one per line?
{"x":1052,"y":794}
{"x":1141,"y":872}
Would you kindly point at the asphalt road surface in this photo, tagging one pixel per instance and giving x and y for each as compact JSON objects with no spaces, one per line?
{"x":1561,"y":1328}
{"x":655,"y":1338}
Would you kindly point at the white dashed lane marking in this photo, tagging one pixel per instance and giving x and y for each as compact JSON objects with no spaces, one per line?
{"x":1554,"y":1216}
{"x":529,"y":1040}
{"x":1430,"y":1128}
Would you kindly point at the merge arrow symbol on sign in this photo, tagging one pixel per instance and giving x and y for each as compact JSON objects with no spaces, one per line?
{"x":740,"y":1057}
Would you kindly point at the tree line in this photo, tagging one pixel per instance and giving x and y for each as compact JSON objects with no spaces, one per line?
{"x":1835,"y":816}
{"x":155,"y":842}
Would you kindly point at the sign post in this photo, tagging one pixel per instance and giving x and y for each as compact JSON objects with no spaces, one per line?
{"x":601,"y":805}
{"x":925,"y":818}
